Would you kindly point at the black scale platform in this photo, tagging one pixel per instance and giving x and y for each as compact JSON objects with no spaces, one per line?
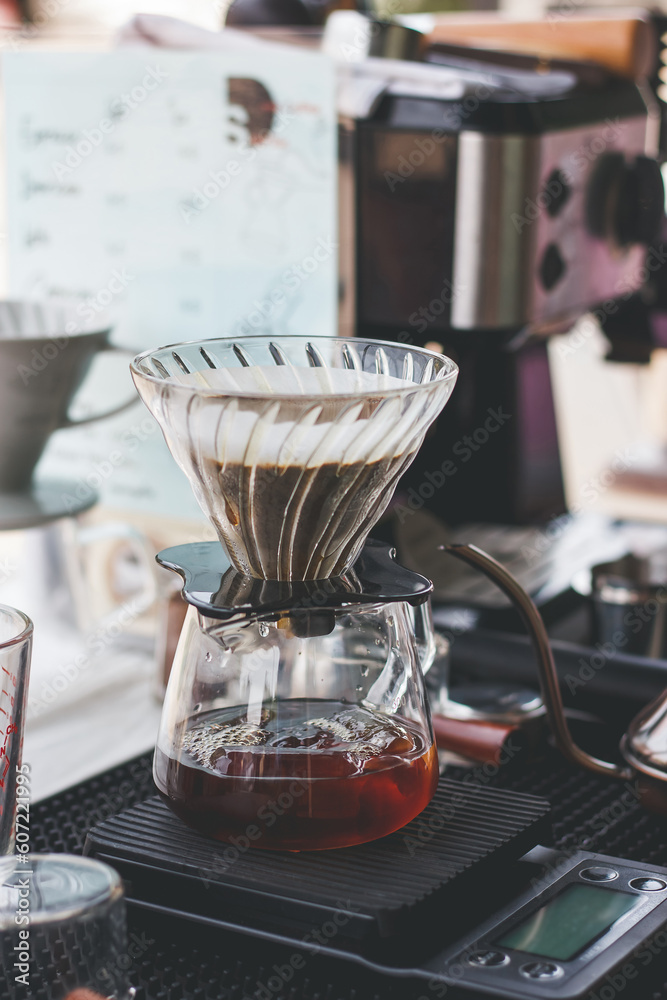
{"x":379,"y":899}
{"x":176,"y":959}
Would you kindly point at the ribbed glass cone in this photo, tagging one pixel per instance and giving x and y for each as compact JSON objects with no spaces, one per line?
{"x":293,"y":447}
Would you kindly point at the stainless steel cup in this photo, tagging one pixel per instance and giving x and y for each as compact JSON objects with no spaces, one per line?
{"x":630,"y":604}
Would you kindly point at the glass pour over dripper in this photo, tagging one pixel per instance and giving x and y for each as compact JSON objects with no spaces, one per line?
{"x":295,"y":716}
{"x":292,"y":446}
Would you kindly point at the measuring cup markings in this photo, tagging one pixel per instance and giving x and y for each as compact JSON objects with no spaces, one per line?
{"x":15,"y":649}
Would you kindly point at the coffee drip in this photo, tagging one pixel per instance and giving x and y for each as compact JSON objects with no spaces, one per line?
{"x":296,"y":692}
{"x":302,"y":490}
{"x":330,"y":504}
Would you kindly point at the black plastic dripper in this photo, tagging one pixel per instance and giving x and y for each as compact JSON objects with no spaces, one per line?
{"x":218,"y":590}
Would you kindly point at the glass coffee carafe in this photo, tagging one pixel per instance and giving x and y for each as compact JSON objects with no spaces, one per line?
{"x":295,"y":716}
{"x":305,"y":726}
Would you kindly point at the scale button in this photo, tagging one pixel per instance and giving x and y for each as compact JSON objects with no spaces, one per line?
{"x":599,"y":874}
{"x":488,"y":958}
{"x":647,"y":884}
{"x":540,"y":970}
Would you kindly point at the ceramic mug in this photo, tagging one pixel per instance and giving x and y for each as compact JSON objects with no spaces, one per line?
{"x":45,"y":355}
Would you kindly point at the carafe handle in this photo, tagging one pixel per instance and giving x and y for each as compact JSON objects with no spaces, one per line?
{"x":550,"y":689}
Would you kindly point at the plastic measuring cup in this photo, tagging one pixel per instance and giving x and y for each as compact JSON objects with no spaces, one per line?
{"x":15,"y":648}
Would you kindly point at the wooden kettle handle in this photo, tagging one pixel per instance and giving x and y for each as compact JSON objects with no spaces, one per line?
{"x":476,"y":739}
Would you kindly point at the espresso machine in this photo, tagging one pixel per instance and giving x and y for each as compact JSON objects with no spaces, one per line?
{"x":490,"y":200}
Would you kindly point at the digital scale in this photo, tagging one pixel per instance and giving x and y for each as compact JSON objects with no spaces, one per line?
{"x":460,"y":900}
{"x":565,"y":935}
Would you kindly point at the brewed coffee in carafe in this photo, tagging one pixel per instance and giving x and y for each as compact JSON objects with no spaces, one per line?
{"x":295,"y":716}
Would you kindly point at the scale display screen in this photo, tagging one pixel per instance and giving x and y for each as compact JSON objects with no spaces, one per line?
{"x":570,"y":922}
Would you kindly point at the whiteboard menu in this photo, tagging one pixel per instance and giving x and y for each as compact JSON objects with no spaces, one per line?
{"x":189,"y":194}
